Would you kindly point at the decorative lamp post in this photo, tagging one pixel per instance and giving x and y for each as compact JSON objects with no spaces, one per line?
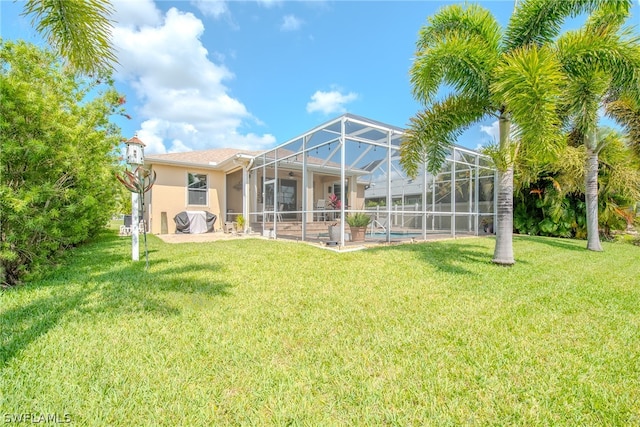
{"x":135,"y":158}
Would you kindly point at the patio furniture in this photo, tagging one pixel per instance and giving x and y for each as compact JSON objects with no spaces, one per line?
{"x":195,"y":222}
{"x":320,"y":206}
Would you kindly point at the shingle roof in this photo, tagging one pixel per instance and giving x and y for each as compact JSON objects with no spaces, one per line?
{"x":203,"y":157}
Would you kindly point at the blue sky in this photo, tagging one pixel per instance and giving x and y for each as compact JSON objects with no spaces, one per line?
{"x":254,"y":74}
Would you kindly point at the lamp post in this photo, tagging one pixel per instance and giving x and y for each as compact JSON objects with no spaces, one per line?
{"x":135,"y":158}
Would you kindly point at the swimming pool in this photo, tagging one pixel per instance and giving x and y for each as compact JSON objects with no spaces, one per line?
{"x":395,"y":234}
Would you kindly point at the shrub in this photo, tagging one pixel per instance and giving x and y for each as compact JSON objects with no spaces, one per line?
{"x":358,"y":219}
{"x":57,"y":161}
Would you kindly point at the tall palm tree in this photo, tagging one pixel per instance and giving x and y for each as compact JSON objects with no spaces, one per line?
{"x":600,"y":60}
{"x":512,"y":75}
{"x":77,"y":30}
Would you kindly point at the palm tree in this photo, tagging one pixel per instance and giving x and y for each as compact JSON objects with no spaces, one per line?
{"x":512,"y":75}
{"x":77,"y":30}
{"x":551,"y":199}
{"x":600,"y":60}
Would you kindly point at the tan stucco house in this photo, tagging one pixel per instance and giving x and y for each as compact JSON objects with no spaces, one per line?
{"x":285,"y":191}
{"x":208,"y":180}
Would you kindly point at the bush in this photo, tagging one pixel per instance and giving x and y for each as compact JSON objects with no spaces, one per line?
{"x":358,"y":219}
{"x":57,"y":160}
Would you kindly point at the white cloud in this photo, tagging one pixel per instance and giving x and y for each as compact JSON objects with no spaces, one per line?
{"x":290,"y":23}
{"x":150,"y":129}
{"x":184,"y":101}
{"x":135,"y":13}
{"x":330,"y":102}
{"x":269,"y":3}
{"x":212,"y":8}
{"x":493,"y":131}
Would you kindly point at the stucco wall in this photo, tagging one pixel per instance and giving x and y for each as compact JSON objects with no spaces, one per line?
{"x":169,"y":194}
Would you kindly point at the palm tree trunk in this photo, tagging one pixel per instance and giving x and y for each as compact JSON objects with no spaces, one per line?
{"x":503,"y":253}
{"x":591,"y":194}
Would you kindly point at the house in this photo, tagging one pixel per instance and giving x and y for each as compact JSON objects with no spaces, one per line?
{"x":285,"y":191}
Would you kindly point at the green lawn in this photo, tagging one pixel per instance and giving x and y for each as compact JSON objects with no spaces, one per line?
{"x":275,"y":333}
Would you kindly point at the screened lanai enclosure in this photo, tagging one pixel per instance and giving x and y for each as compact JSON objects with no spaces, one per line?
{"x":352,"y":164}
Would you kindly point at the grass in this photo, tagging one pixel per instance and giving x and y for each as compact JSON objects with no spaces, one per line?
{"x":279,"y":333}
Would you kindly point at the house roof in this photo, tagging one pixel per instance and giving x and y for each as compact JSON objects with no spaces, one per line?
{"x":217,"y":158}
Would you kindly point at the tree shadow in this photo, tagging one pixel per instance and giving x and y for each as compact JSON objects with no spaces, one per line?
{"x":109,"y":287}
{"x":445,"y":256}
{"x":556,"y":242}
{"x":449,"y":257}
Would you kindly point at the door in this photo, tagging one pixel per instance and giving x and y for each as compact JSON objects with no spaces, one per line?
{"x":269,"y":197}
{"x":287,"y":193}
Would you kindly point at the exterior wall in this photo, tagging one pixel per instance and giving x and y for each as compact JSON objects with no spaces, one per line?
{"x":169,"y":194}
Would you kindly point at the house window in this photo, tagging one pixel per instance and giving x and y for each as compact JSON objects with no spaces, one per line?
{"x":197,"y":189}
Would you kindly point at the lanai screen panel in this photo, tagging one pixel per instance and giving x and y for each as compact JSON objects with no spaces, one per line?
{"x":358,"y":160}
{"x":463,"y":197}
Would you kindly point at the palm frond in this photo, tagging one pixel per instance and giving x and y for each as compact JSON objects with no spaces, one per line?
{"x":469,"y":21}
{"x":626,"y":112}
{"x":503,"y":157}
{"x":609,"y":16}
{"x":597,"y":65}
{"x":461,"y":63}
{"x":432,"y":132}
{"x":616,"y":54}
{"x":619,"y":171}
{"x":540,"y":21}
{"x":569,"y":170}
{"x":583,"y":97}
{"x":79,"y":30}
{"x":459,"y":47}
{"x":528,"y":82}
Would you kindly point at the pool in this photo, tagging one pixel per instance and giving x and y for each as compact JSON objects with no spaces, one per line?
{"x":395,"y":234}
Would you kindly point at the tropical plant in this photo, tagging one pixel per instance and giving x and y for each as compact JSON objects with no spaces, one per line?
{"x":554,"y":203}
{"x":513,"y":75}
{"x":77,"y":30}
{"x":334,"y":202}
{"x":58,"y":157}
{"x":600,"y":60}
{"x":241,"y":222}
{"x":358,"y":219}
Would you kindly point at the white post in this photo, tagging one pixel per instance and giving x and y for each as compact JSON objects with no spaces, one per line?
{"x":135,"y":232}
{"x":135,"y":157}
{"x":245,"y":197}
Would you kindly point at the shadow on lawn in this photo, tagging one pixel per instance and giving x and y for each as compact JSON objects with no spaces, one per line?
{"x":445,"y":256}
{"x":98,"y":282}
{"x":555,"y":242}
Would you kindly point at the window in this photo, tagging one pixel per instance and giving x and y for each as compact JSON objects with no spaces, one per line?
{"x":197,"y":189}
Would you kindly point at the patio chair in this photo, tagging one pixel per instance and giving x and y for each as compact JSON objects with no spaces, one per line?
{"x":320,"y":206}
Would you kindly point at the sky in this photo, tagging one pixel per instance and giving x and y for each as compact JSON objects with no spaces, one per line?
{"x":204,"y":74}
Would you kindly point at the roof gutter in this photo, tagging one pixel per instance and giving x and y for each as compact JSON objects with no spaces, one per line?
{"x":210,"y":165}
{"x":225,"y":165}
